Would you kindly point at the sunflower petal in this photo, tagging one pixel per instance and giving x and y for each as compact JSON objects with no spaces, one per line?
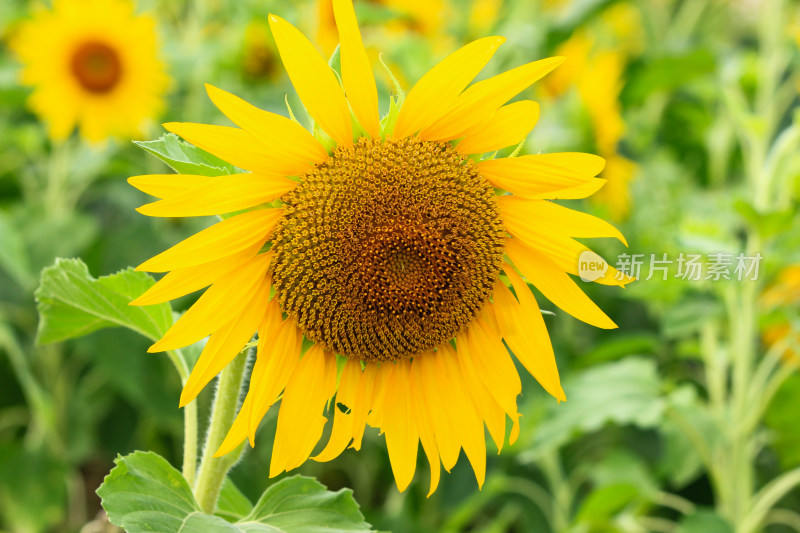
{"x":402,"y":439}
{"x":224,"y":298}
{"x":225,"y":343}
{"x":443,"y":428}
{"x":437,"y":90}
{"x":467,"y":423}
{"x":424,"y":423}
{"x":278,"y":354}
{"x":223,"y":239}
{"x":541,"y":176}
{"x":183,"y":281}
{"x":564,"y":251}
{"x":268,"y":330}
{"x":509,"y":126}
{"x":488,"y":408}
{"x":556,"y":284}
{"x":168,"y":185}
{"x":233,"y":145}
{"x":524,"y":330}
{"x":301,"y":420}
{"x":289,"y":147}
{"x":314,"y":81}
{"x":479,"y":101}
{"x":359,"y":83}
{"x":342,"y":432}
{"x":493,"y":365}
{"x":223,"y":195}
{"x":366,"y":385}
{"x":554,"y":217}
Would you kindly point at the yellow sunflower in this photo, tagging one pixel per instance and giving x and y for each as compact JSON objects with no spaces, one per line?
{"x":92,"y":63}
{"x":398,"y":252}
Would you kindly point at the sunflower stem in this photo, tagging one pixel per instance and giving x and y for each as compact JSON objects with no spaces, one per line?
{"x":214,"y":469}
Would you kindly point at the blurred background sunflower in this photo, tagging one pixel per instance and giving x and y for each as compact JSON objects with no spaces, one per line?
{"x":93,"y":64}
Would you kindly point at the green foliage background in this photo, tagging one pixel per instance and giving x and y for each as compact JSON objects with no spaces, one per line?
{"x":685,"y":419}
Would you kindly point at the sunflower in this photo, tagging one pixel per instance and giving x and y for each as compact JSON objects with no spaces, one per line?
{"x":388,"y":270}
{"x":92,"y":63}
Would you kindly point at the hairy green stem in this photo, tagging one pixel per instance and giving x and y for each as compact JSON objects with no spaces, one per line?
{"x":214,"y":469}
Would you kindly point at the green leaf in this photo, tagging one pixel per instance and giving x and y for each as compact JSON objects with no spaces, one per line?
{"x":622,"y":392}
{"x":704,"y":521}
{"x":232,"y":504}
{"x":781,"y":418}
{"x":71,"y":303}
{"x":303,"y":505}
{"x":185,"y":158}
{"x":144,"y":493}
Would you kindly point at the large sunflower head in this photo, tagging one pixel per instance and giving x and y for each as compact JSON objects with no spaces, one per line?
{"x":383,"y":261}
{"x":93,"y":64}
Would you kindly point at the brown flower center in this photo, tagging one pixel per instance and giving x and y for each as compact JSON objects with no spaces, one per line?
{"x":96,"y":66}
{"x":387,"y":249}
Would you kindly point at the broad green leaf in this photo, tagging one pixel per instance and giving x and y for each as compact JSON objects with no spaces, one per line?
{"x":704,"y":521}
{"x":13,"y":255}
{"x":185,"y":158}
{"x":72,"y":303}
{"x":144,"y":493}
{"x":781,"y":418}
{"x":303,"y":505}
{"x":232,"y":504}
{"x":622,"y":392}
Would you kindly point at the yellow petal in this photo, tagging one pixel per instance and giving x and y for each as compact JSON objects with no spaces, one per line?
{"x":467,"y":423}
{"x":556,"y":284}
{"x":556,"y":218}
{"x":289,"y":147}
{"x":479,"y":101}
{"x":424,"y":422}
{"x":509,"y":126}
{"x":168,"y":185}
{"x":363,"y":402}
{"x":359,"y":83}
{"x":402,"y":440}
{"x":578,"y":192}
{"x":493,"y":365}
{"x":301,"y":420}
{"x":432,"y":389}
{"x":524,"y":330}
{"x":342,"y":432}
{"x":383,"y":373}
{"x":225,"y":343}
{"x":541,"y":176}
{"x":437,"y":90}
{"x":223,"y":299}
{"x":233,"y":145}
{"x":314,"y":81}
{"x":563,"y":251}
{"x":223,"y":195}
{"x":182,"y":281}
{"x":488,"y":408}
{"x":278,"y":354}
{"x":271,"y":327}
{"x":223,"y":239}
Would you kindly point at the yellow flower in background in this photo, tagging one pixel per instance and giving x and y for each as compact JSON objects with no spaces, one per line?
{"x":483,"y":15}
{"x":596,"y":70}
{"x":377,"y":262}
{"x":781,"y":294}
{"x":260,"y":55}
{"x":426,"y":17}
{"x":92,"y":64}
